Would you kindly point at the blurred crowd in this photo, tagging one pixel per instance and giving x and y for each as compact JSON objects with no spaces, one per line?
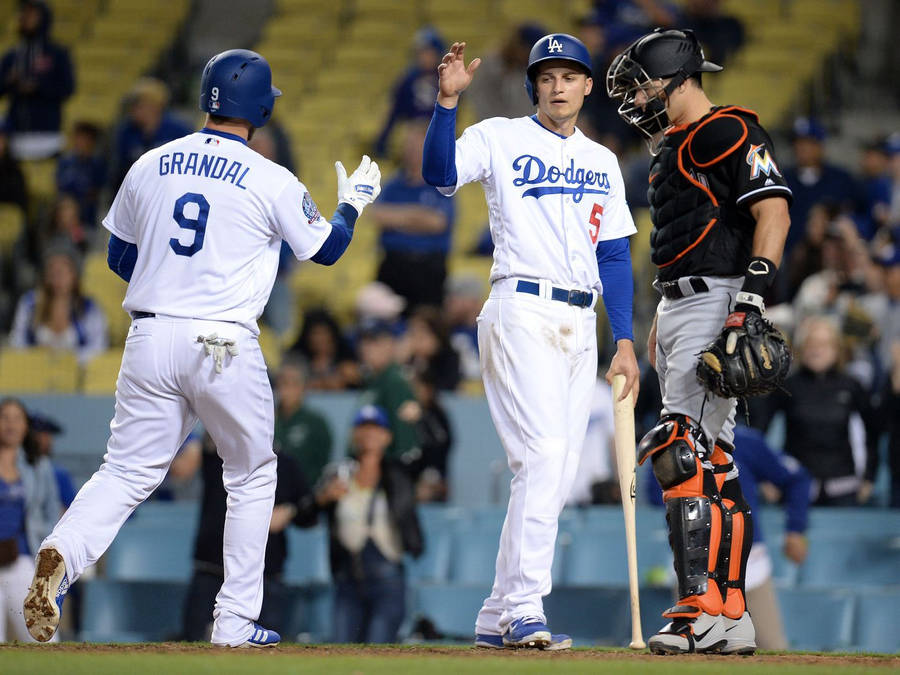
{"x":413,"y":335}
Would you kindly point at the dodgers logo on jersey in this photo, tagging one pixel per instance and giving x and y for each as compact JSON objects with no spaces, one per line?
{"x":310,"y":210}
{"x":761,"y":162}
{"x":554,"y":46}
{"x":578,"y":182}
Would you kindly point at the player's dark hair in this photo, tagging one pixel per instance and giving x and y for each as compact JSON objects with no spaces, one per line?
{"x":697,"y":78}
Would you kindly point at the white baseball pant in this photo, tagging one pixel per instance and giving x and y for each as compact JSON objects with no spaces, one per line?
{"x":539,"y":365}
{"x":166,"y":382}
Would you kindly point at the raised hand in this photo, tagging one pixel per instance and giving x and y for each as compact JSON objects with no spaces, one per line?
{"x":361,"y":187}
{"x":453,"y":75}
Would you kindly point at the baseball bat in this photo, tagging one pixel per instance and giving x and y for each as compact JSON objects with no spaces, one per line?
{"x":623,"y":419}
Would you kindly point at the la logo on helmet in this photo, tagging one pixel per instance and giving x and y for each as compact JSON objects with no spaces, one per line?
{"x":554,"y":46}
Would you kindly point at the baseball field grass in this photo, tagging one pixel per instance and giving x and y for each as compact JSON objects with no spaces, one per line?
{"x":166,"y":658}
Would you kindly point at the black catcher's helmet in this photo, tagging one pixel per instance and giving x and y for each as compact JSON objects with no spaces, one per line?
{"x":662,"y":54}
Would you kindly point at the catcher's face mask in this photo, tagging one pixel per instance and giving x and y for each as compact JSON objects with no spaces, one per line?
{"x":643,"y":98}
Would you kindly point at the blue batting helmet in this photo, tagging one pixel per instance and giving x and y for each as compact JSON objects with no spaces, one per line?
{"x":556,"y":46}
{"x":238,"y":83}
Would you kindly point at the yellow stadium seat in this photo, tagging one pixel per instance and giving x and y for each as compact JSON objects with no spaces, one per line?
{"x":40,"y":177}
{"x":12,"y":221}
{"x":270,"y":346}
{"x":38,"y":370}
{"x":108,"y":290}
{"x":101,"y":372}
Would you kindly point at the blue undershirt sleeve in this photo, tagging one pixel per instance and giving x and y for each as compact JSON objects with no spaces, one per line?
{"x":341,"y":233}
{"x":439,"y":155}
{"x":121,"y":257}
{"x":614,"y":265}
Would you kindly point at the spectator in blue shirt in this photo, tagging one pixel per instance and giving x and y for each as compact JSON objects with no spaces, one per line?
{"x":44,"y":428}
{"x":414,"y":93}
{"x":416,"y":223}
{"x":758,"y":463}
{"x":813,"y":180}
{"x":29,"y":508}
{"x":147,"y":125}
{"x":81,"y":172}
{"x":37,"y":76}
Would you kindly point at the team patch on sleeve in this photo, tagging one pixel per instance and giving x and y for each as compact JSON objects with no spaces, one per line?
{"x":761,"y":162}
{"x":310,"y":210}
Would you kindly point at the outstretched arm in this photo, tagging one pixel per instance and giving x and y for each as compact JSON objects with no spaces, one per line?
{"x":439,"y":154}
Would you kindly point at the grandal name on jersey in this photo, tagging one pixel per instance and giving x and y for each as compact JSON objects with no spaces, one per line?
{"x":201,"y":164}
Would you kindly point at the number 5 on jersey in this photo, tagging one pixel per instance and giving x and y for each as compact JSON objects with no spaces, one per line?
{"x":594,"y":220}
{"x":198,"y":224}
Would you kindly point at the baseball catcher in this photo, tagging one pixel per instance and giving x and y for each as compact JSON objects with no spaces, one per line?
{"x":719,"y":207}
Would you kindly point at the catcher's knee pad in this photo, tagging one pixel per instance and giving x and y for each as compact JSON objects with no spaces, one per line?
{"x":737,"y":538}
{"x":676,"y":445}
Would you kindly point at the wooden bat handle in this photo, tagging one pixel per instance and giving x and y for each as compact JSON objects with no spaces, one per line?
{"x":623,"y":419}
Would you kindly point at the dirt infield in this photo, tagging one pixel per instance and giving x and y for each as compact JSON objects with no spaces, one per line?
{"x":771,"y":659}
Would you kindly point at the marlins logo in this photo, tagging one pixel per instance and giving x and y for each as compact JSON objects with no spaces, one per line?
{"x":310,"y":210}
{"x":761,"y":162}
{"x":554,"y":46}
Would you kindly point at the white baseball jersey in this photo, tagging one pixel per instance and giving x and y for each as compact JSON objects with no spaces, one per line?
{"x":551,"y":198}
{"x":208,"y":214}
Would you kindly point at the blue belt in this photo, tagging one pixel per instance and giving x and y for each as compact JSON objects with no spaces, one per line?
{"x":573,"y":297}
{"x":142,"y":315}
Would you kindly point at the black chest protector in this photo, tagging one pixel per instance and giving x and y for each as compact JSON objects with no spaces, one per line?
{"x":699,"y":228}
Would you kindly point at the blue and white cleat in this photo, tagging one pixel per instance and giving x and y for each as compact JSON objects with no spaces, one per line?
{"x":527,"y":631}
{"x":43,"y":604}
{"x":558,"y":642}
{"x":262,"y":637}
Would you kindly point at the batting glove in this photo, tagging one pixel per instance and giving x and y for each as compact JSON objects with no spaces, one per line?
{"x":361,"y":187}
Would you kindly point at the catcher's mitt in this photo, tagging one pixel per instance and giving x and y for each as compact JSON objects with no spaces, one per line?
{"x":748,"y":358}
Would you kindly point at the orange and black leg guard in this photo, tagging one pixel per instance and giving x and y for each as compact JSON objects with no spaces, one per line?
{"x":737,"y":538}
{"x":678,"y":449}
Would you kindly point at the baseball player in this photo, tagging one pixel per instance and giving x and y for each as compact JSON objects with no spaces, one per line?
{"x":560,"y":225}
{"x":196,"y":229}
{"x":719,"y":207}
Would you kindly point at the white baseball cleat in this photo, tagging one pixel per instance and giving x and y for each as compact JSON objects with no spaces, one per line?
{"x":740,"y":635}
{"x":703,"y":634}
{"x":43,"y":604}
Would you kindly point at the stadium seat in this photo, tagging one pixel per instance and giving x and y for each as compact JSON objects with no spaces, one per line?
{"x":592,"y":616}
{"x":474,"y":557}
{"x":12,"y":221}
{"x":878,"y":621}
{"x":861,"y":559}
{"x":151,"y":551}
{"x":38,"y":370}
{"x":599,"y":558}
{"x":452,"y":608}
{"x":817,"y":619}
{"x":101,"y":373}
{"x":307,"y":557}
{"x":434,"y":563}
{"x":186,"y":513}
{"x":116,"y":611}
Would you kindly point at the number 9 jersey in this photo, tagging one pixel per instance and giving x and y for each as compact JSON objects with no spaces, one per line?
{"x":208,"y":215}
{"x":551,"y":198}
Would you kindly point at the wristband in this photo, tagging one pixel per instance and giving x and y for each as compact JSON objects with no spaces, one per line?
{"x":760,"y":275}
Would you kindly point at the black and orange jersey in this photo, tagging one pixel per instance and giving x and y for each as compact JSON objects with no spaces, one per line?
{"x":702,"y":183}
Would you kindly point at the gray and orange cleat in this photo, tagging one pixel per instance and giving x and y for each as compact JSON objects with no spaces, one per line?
{"x":741,"y":635}
{"x":43,"y":604}
{"x":685,"y":635}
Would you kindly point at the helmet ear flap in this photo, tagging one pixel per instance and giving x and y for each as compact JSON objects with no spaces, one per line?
{"x":531,"y":90}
